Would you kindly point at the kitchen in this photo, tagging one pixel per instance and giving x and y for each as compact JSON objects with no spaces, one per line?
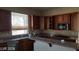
{"x":46,"y":32}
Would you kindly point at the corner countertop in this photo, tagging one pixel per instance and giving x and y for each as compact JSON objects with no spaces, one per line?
{"x":47,"y":40}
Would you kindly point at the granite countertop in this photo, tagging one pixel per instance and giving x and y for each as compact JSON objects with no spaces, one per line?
{"x":47,"y":40}
{"x":57,"y":42}
{"x":12,"y":37}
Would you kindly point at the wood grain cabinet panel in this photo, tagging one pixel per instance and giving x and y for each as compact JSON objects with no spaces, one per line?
{"x":59,"y":19}
{"x":74,"y":21}
{"x":25,"y":45}
{"x":62,"y":19}
{"x":5,"y":20}
{"x":46,"y":18}
{"x":36,"y":22}
{"x":51,"y":22}
{"x":66,"y":18}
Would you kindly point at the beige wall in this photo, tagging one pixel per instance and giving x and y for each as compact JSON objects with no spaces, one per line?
{"x":21,"y":10}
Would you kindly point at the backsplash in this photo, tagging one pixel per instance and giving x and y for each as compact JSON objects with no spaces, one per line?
{"x":58,"y":32}
{"x":63,"y":32}
{"x":5,"y":34}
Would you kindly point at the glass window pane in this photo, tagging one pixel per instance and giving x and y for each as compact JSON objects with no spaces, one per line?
{"x":19,"y":23}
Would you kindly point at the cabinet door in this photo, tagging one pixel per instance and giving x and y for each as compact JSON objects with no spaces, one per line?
{"x":36,"y":22}
{"x":66,"y":18}
{"x":46,"y":18}
{"x":59,"y":19}
{"x":42,"y":23}
{"x":5,"y":20}
{"x":63,"y":19}
{"x":25,"y":45}
{"x":48,"y":22}
{"x":51,"y":22}
{"x":74,"y":22}
{"x":30,"y":22}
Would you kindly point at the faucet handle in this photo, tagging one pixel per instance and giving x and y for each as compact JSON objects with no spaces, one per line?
{"x":51,"y":35}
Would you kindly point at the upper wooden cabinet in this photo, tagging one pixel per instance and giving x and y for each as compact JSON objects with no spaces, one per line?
{"x":66,"y":18}
{"x":5,"y":20}
{"x":62,"y":18}
{"x":36,"y":22}
{"x":58,"y":19}
{"x":74,"y":22}
{"x":50,"y":22}
{"x":46,"y":22}
{"x":53,"y":22}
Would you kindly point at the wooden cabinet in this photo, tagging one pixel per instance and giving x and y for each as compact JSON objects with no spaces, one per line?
{"x":30,"y":22}
{"x":46,"y":22}
{"x":3,"y":46}
{"x":66,"y":18}
{"x":51,"y":22}
{"x":61,"y":19}
{"x":58,"y":19}
{"x":74,"y":21}
{"x":5,"y":20}
{"x":25,"y":45}
{"x":34,"y":22}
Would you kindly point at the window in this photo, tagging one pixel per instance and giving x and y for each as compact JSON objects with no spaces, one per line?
{"x":19,"y":23}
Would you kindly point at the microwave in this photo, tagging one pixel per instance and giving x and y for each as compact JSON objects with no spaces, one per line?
{"x":63,"y":26}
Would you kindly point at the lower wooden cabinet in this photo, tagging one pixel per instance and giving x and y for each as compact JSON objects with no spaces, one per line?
{"x":25,"y":45}
{"x":3,"y":46}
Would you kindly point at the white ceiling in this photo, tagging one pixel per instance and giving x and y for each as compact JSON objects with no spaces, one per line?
{"x":37,"y":9}
{"x":42,"y":8}
{"x":43,"y":11}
